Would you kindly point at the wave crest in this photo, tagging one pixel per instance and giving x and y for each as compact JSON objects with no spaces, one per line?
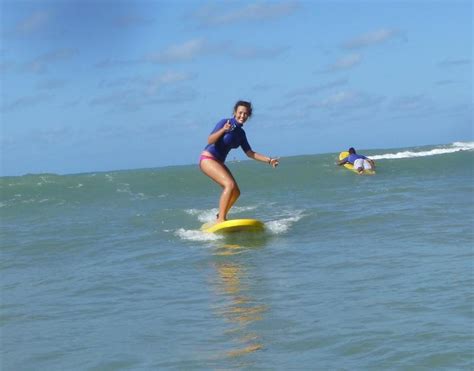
{"x":454,"y":147}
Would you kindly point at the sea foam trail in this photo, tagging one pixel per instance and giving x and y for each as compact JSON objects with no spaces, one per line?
{"x":280,"y":225}
{"x":455,"y":147}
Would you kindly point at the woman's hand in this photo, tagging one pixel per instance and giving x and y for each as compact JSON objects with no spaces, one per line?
{"x":214,"y":137}
{"x":274,"y":162}
{"x":227,"y":126}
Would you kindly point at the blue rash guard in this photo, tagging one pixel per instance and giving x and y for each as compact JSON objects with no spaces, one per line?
{"x":354,"y":156}
{"x":232,"y":139}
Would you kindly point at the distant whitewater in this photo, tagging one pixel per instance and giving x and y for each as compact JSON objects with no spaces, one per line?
{"x":110,"y":270}
{"x":441,"y":150}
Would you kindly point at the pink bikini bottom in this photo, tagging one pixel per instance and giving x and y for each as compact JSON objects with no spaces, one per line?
{"x":206,"y":157}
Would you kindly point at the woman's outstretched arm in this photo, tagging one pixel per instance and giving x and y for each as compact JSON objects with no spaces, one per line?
{"x":259,"y":157}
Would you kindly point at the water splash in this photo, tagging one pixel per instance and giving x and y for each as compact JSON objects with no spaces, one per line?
{"x":209,"y":215}
{"x":197,"y":235}
{"x":282,"y":225}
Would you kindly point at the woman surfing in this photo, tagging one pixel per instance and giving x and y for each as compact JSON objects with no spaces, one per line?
{"x":229,"y":134}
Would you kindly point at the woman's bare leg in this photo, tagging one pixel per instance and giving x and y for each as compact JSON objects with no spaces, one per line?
{"x":222,"y":176}
{"x":234,"y":197}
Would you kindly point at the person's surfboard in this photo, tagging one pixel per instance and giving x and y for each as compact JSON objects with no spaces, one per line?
{"x":351,"y":167}
{"x":234,"y":225}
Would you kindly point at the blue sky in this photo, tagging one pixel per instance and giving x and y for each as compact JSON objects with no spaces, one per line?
{"x":106,"y":85}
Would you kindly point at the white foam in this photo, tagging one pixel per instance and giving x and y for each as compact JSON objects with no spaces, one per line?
{"x":242,"y":209}
{"x":204,"y":216}
{"x":209,"y":215}
{"x":125,"y":188}
{"x":455,"y":147}
{"x":280,"y":226}
{"x":196,"y":235}
{"x":80,"y":185}
{"x":283,"y":222}
{"x":464,"y":145}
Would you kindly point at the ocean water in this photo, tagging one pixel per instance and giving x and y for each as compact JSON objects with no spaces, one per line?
{"x":109,"y":271}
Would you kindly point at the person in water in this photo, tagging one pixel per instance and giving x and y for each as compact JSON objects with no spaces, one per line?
{"x":360,"y":162}
{"x":228,"y":134}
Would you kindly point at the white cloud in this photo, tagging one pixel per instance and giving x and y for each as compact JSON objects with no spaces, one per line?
{"x":317,"y":89}
{"x":121,"y":82}
{"x":34,"y":23}
{"x":110,"y":63}
{"x":175,"y":96}
{"x":345,"y":63}
{"x":172,"y":77}
{"x":446,"y":82}
{"x":146,"y":83}
{"x":349,"y":100}
{"x":167,"y":78}
{"x":183,"y":52}
{"x":192,"y":49}
{"x":25,"y":101}
{"x":132,"y":20}
{"x":40,"y":64}
{"x":125,"y":99}
{"x":7,"y":66}
{"x":52,"y":84}
{"x":412,"y":103}
{"x":338,"y":99}
{"x":258,"y":53}
{"x":54,"y":135}
{"x":455,"y":62}
{"x":371,"y":38}
{"x":133,"y":93}
{"x":213,"y":16}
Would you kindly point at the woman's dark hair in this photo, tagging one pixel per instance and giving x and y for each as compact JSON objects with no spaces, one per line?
{"x":352,"y":150}
{"x":245,"y":104}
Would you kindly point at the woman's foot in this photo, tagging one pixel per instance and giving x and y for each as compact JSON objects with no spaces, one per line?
{"x":218,"y":220}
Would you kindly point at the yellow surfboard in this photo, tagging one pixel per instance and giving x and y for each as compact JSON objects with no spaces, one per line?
{"x":234,"y":225}
{"x":351,"y":167}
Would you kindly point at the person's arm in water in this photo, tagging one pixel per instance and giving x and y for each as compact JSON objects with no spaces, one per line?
{"x":214,"y":137}
{"x":343,"y":161}
{"x":257,"y":156}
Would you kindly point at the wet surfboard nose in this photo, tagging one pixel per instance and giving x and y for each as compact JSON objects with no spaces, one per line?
{"x":234,"y":225}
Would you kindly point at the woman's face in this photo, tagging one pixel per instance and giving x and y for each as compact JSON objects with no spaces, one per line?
{"x":241,"y":114}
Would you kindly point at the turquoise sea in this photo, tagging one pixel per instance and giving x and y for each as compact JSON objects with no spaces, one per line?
{"x":110,"y":271}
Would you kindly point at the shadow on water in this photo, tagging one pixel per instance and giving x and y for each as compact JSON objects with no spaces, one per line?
{"x":234,"y":286}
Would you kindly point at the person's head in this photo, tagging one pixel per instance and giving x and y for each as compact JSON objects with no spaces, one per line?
{"x":242,"y":111}
{"x":352,"y":150}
